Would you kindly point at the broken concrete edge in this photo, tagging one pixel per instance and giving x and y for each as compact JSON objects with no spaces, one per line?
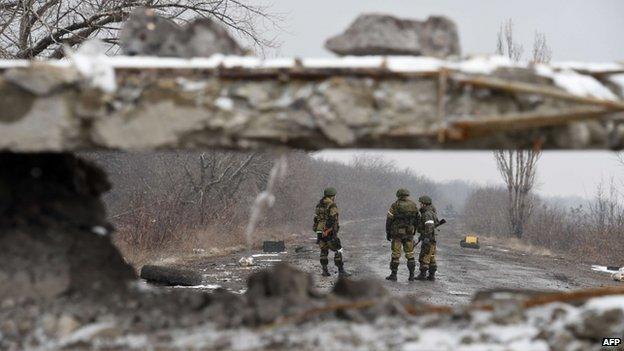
{"x":247,"y":103}
{"x":54,"y":233}
{"x":481,"y":64}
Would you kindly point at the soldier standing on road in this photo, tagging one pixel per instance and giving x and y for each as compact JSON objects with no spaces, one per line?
{"x":426,"y":227}
{"x":326,"y":227}
{"x":401,"y":223}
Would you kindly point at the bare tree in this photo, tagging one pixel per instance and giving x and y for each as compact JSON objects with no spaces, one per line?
{"x":30,"y":28}
{"x":506,"y":44}
{"x":217,"y":177}
{"x":541,"y":50}
{"x":518,"y":169}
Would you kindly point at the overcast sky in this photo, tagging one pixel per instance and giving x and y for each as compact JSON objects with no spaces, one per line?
{"x":588,"y":30}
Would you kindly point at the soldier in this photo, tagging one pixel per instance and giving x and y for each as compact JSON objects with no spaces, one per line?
{"x":427,"y":226}
{"x":326,"y":227}
{"x":401,"y":224}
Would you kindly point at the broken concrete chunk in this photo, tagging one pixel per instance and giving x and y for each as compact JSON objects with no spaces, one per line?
{"x":377,"y":34}
{"x":41,"y":79}
{"x":246,"y":261}
{"x":146,"y":33}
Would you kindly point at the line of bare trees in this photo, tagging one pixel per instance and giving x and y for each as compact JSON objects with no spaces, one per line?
{"x":172,"y":203}
{"x":590,"y":230}
{"x":31,"y":28}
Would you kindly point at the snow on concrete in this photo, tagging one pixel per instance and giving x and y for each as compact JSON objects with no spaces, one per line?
{"x":99,"y":69}
{"x":576,"y":83}
{"x":91,"y":61}
{"x":618,"y":80}
{"x":594,"y":67}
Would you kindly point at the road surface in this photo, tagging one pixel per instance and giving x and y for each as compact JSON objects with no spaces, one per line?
{"x":461,"y":272}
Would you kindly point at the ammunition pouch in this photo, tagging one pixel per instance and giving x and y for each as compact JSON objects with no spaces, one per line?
{"x":319,"y":237}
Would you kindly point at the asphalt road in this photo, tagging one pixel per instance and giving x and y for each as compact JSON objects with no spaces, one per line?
{"x":461,"y":272}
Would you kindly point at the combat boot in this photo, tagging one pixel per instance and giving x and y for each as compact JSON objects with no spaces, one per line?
{"x":432,"y":271}
{"x":411,"y":266}
{"x":393,"y":272}
{"x":325,"y":272}
{"x":341,"y":270}
{"x":422,"y":275}
{"x":431,"y":276}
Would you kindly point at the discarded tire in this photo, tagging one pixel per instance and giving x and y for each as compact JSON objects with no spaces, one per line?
{"x":170,"y":276}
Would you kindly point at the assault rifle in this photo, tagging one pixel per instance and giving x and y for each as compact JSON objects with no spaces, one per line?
{"x":441,"y":222}
{"x":329,"y":234}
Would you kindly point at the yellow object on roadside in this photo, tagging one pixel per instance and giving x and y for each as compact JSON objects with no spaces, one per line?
{"x":470,"y":241}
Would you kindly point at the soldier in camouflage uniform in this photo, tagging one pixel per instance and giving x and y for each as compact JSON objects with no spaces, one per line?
{"x":326,"y":227}
{"x":401,"y":223}
{"x":427,"y":227}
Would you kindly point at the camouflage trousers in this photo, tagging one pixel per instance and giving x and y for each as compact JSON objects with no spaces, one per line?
{"x":427,"y":258}
{"x":325,"y":246}
{"x":407,"y":245}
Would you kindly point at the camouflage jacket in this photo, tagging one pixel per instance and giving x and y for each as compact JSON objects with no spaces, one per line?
{"x":326,"y":216}
{"x":428,"y":221}
{"x":402,"y":218}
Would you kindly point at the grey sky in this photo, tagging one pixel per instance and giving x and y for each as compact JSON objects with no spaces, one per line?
{"x":575,"y":29}
{"x":560,"y":173}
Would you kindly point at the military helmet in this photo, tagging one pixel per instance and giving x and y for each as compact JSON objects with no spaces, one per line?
{"x":425,"y":200}
{"x":402,"y":192}
{"x":329,"y":191}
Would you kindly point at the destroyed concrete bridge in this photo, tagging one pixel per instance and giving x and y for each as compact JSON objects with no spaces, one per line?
{"x":134,"y":103}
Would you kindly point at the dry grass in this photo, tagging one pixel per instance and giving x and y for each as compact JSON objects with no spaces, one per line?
{"x":515,"y":244}
{"x":208,"y":242}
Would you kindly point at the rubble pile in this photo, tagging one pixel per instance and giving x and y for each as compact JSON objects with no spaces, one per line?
{"x":282,"y":310}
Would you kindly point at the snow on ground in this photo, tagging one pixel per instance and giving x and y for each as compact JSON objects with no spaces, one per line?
{"x":604,"y":269}
{"x":554,"y":326}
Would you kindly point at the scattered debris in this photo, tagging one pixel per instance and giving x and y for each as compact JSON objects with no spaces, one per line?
{"x":246,"y":261}
{"x":294,"y":315}
{"x":302,"y":249}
